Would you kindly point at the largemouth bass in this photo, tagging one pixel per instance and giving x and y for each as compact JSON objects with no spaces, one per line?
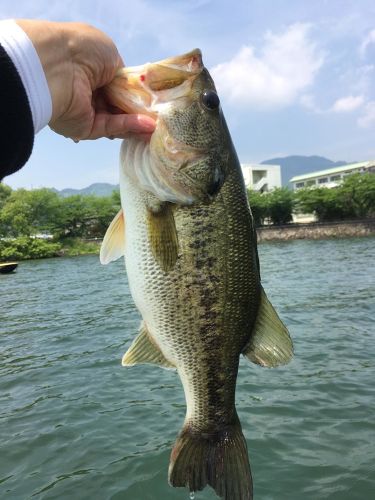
{"x":189,"y":242}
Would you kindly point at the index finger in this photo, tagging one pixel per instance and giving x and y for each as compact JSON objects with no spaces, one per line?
{"x":120,"y":125}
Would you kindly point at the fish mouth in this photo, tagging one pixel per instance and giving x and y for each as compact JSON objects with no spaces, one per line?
{"x":152,"y":89}
{"x":148,"y":88}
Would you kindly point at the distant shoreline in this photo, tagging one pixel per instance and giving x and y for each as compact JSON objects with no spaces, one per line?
{"x":289,"y":232}
{"x":309,"y":231}
{"x":317,"y":230}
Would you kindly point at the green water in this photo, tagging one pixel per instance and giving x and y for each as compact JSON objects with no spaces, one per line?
{"x":74,"y":424}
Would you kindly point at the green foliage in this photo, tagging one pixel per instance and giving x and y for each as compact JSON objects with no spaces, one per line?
{"x":280,"y":205}
{"x":357,"y":195}
{"x":275,"y":206}
{"x":27,"y":248}
{"x":102,"y":211}
{"x":26,"y":213}
{"x":74,"y":246}
{"x":116,"y":199}
{"x":5,"y":192}
{"x":85,"y":216}
{"x":259,"y":206}
{"x":73,"y":217}
{"x":354,"y":198}
{"x":322,"y":202}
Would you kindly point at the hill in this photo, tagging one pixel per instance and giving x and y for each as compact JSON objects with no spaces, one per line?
{"x":290,"y":166}
{"x":299,"y":165}
{"x":98,"y":189}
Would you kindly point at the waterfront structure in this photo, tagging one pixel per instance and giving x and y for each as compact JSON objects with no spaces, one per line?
{"x":261,"y":178}
{"x":331,"y":177}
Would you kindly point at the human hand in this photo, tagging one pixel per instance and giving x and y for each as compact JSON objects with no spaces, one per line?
{"x":78,"y":60}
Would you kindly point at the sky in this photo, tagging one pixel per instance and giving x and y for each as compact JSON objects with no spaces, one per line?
{"x":293,"y":76}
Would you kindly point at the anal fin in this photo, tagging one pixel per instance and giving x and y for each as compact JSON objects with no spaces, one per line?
{"x":145,"y":350}
{"x":270,"y":344}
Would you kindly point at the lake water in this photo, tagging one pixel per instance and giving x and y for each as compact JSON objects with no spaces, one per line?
{"x":74,"y":424}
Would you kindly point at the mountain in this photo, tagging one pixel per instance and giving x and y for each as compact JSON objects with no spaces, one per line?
{"x":290,"y":166}
{"x":98,"y":189}
{"x":299,"y":165}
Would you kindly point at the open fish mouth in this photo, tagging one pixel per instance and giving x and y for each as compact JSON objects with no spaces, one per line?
{"x":148,"y":88}
{"x":155,"y":89}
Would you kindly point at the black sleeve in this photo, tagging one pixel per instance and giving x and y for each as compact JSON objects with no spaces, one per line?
{"x":16,"y":123}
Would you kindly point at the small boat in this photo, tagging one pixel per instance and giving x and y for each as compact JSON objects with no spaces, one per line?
{"x":7,"y":267}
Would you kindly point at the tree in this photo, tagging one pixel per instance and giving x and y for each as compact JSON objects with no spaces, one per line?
{"x":73,"y":216}
{"x":259,"y":206}
{"x":86,"y":216}
{"x":101,"y":211}
{"x":357,"y":195}
{"x":276,"y":205}
{"x":5,"y":192}
{"x":322,"y":202}
{"x":280,"y":205}
{"x":29,"y":212}
{"x":28,"y":248}
{"x":116,"y":198}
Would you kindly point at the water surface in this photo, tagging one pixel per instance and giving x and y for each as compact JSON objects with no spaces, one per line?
{"x":74,"y":424}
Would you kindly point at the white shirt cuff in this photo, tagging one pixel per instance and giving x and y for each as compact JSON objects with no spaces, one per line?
{"x":26,"y":60}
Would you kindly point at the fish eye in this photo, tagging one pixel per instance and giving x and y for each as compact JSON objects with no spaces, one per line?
{"x":210,"y":99}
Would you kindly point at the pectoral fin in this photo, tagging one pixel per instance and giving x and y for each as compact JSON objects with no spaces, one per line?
{"x":145,"y":350}
{"x":113,"y":246}
{"x":163,"y":236}
{"x":270,"y":344}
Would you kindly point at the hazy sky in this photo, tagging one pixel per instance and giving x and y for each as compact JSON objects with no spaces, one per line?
{"x":294,"y":76}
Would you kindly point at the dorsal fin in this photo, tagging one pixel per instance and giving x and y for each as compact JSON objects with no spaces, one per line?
{"x":145,"y":350}
{"x":270,"y":343}
{"x":113,"y":246}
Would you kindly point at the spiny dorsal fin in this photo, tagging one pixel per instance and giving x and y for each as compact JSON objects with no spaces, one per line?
{"x":163,"y":236}
{"x":113,"y":245}
{"x":270,"y":343}
{"x":145,"y":350}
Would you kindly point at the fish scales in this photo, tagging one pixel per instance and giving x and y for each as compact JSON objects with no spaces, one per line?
{"x":189,"y":242}
{"x":196,"y":313}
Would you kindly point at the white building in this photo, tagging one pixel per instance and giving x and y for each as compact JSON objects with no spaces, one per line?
{"x":331,"y":177}
{"x":261,"y":177}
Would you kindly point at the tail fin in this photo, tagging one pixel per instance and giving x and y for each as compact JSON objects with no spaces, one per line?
{"x":218,"y":459}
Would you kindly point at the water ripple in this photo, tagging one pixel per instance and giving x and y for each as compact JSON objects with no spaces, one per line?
{"x":74,"y":424}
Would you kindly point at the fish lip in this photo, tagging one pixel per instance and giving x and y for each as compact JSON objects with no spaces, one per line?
{"x":140,"y":89}
{"x":189,"y":61}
